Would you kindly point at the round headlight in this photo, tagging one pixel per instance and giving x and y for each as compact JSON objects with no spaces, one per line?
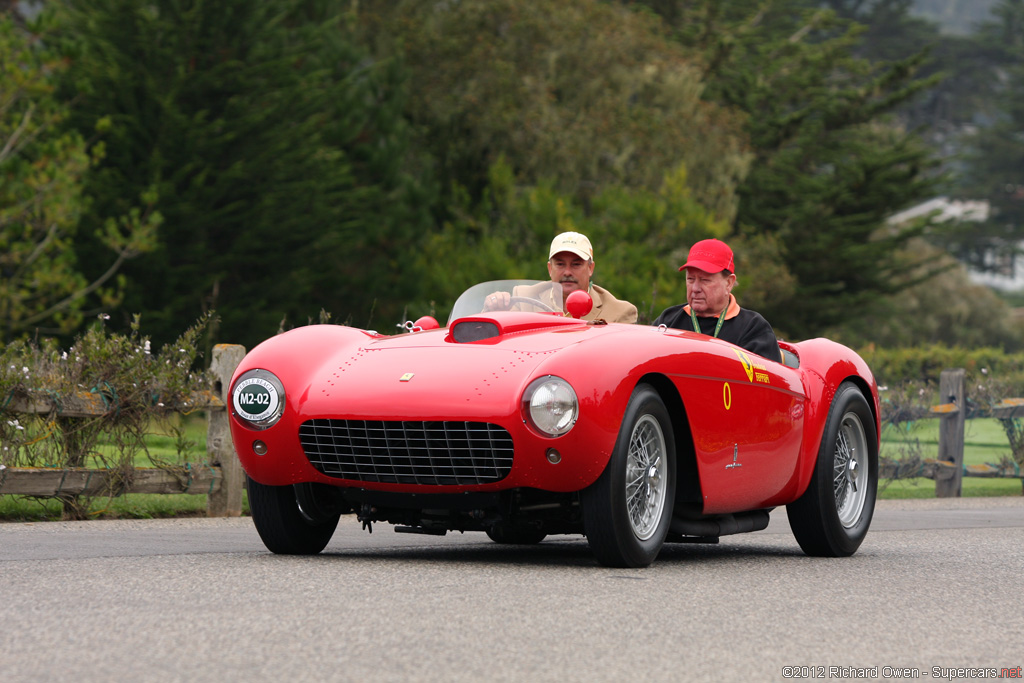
{"x":258,"y":399}
{"x":551,"y":406}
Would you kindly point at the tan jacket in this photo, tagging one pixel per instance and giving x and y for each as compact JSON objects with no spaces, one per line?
{"x":606,"y":306}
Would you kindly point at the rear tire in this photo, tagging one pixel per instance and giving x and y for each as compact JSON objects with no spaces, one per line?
{"x":627,"y":511}
{"x":832,"y":517}
{"x":282,"y":525}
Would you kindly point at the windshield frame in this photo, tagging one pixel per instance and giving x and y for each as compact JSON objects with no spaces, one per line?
{"x":471,"y":302}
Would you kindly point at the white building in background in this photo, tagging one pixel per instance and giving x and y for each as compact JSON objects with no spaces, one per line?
{"x":1004,"y":272}
{"x":948,"y":210}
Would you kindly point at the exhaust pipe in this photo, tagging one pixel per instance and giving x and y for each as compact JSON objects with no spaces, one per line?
{"x":721,"y":525}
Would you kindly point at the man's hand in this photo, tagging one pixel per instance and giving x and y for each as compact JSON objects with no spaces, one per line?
{"x":499,"y":301}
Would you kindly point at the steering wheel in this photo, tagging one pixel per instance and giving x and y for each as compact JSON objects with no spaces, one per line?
{"x":531,"y":302}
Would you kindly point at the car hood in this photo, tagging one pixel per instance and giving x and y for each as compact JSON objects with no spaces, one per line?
{"x":428,"y":375}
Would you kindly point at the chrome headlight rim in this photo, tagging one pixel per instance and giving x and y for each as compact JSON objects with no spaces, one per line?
{"x":550,"y":406}
{"x":257,"y":399}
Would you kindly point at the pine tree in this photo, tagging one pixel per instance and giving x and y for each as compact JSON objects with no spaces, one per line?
{"x":829,"y":166}
{"x":276,"y":148}
{"x":995,"y":170}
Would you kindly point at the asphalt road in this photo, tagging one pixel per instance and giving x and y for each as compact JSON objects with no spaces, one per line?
{"x":935,"y":590}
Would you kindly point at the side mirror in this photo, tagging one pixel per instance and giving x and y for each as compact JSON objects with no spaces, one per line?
{"x":427,"y":322}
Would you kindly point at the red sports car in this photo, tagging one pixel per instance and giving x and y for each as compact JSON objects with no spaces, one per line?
{"x":523,"y":423}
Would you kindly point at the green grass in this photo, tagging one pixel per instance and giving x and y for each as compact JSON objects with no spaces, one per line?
{"x":128,"y":506}
{"x":161,"y":441}
{"x":984,"y":442}
{"x":971,"y":487}
{"x":162,"y":446}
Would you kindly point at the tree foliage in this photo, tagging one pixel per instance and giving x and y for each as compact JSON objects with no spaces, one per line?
{"x":828,"y":165}
{"x":582,"y":95}
{"x":276,"y":149}
{"x":995,"y":169}
{"x":42,"y":171}
{"x":368,"y":159}
{"x":945,"y":309}
{"x":640,"y":238}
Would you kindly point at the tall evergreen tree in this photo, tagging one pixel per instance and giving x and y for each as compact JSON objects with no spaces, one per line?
{"x":953,"y":104}
{"x":995,"y":170}
{"x":828,"y":167}
{"x":275,"y":146}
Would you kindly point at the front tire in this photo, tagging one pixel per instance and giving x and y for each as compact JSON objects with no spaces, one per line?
{"x":285,"y":530}
{"x":832,"y":517}
{"x":627,"y":511}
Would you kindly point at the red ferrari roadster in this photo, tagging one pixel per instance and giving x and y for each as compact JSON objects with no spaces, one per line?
{"x":523,"y":423}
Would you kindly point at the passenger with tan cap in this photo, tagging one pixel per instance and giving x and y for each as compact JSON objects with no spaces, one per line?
{"x":571,"y":265}
{"x":710,"y":306}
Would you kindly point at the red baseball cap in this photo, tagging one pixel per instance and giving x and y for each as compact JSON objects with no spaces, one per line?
{"x":711,"y":256}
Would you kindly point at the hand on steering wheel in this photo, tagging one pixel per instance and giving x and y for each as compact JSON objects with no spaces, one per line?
{"x":537,"y":303}
{"x":498,"y":301}
{"x":503,"y":301}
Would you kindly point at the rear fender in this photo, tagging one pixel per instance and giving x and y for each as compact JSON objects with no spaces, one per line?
{"x":832,"y":365}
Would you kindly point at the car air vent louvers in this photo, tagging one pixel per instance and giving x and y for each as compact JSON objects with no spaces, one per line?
{"x":408,"y":452}
{"x":474,"y":330}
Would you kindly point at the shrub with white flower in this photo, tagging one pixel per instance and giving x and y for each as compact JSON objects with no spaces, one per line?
{"x":133,"y":388}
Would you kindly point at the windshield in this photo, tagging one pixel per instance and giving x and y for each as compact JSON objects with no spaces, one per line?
{"x":514,"y":295}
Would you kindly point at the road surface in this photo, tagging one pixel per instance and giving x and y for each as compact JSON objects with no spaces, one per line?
{"x":934,"y":591}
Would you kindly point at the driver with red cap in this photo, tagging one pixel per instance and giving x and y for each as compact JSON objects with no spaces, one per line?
{"x":711,"y":308}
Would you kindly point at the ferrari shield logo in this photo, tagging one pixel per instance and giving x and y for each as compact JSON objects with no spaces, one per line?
{"x":748,"y":367}
{"x":406,"y":377}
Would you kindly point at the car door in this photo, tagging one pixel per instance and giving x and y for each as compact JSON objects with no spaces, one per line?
{"x":746,"y":418}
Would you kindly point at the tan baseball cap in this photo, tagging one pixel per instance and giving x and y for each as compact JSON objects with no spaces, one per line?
{"x":574,"y":242}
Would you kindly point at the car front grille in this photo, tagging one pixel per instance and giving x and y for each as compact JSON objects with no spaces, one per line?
{"x":408,"y":452}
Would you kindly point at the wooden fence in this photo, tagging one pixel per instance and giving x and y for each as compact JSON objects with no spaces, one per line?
{"x":221,"y":479}
{"x":948,"y":468}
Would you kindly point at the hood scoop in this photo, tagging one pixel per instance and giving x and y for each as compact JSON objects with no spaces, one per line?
{"x":467,"y":331}
{"x":484,"y":327}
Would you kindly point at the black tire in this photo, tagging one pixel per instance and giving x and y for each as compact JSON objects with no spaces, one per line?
{"x":627,"y":511}
{"x":282,"y":526}
{"x":515,"y":535}
{"x":832,"y":517}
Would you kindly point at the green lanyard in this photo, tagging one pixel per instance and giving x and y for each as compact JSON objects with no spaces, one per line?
{"x":718,"y":327}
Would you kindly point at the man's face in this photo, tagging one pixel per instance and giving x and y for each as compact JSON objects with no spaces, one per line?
{"x":708,"y":293}
{"x":572,"y":271}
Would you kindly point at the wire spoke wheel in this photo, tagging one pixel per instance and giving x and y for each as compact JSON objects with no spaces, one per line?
{"x":833,"y":515}
{"x":628,"y":510}
{"x":847,"y":485}
{"x":646,"y":477}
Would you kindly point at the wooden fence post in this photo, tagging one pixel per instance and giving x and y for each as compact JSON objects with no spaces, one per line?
{"x":227,"y":500}
{"x":951,"y":432}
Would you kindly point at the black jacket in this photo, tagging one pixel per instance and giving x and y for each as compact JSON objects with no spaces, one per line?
{"x":742,"y":327}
